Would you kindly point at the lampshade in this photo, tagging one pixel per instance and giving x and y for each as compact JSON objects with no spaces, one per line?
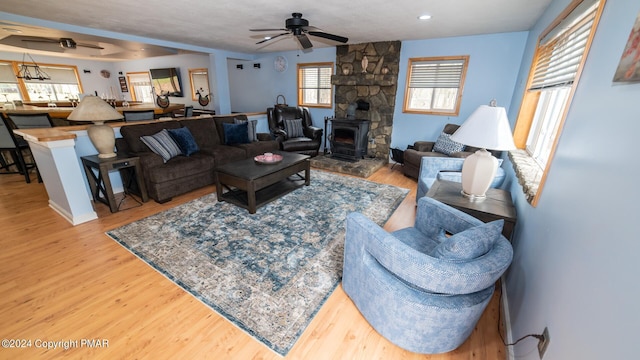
{"x":486,"y":128}
{"x":93,"y":108}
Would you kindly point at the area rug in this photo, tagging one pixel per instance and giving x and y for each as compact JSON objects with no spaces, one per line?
{"x":268,"y":273}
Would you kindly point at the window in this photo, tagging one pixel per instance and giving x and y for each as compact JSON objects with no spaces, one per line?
{"x":560,"y":55}
{"x":314,"y":85}
{"x":63,"y":84}
{"x":434,"y":85}
{"x":199,"y":82}
{"x":8,"y":83}
{"x":140,"y":85}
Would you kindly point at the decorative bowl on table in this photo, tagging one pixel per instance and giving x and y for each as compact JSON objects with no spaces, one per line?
{"x":268,"y":159}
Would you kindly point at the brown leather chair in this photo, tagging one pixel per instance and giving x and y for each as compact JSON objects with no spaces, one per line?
{"x":308,"y":144}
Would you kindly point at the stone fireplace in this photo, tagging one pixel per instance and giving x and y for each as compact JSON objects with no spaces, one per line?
{"x":376,"y":85}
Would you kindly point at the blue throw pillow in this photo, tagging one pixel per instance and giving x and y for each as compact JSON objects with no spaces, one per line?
{"x":185,"y":140}
{"x":471,"y":243}
{"x":236,"y":133}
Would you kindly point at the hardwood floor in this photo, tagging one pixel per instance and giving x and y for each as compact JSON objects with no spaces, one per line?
{"x":62,"y":283}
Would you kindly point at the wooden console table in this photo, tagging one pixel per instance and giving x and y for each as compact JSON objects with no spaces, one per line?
{"x":497,"y":205}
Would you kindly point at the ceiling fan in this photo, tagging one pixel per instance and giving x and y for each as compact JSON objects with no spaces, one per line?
{"x":299,"y":27}
{"x":65,"y":43}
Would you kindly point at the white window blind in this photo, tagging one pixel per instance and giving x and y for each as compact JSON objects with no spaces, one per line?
{"x":559,"y":56}
{"x":315,"y":85}
{"x":58,"y":75}
{"x":436,"y":74}
{"x":6,"y":73}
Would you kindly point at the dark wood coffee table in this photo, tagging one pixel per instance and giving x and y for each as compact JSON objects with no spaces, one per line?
{"x":251,"y":185}
{"x":497,"y":205}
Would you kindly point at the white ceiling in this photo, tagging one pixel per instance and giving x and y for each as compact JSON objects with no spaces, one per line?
{"x":225,"y":24}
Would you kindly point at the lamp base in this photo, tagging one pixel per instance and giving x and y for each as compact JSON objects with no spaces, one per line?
{"x":103,"y":140}
{"x":473,"y":197}
{"x":478,"y":171}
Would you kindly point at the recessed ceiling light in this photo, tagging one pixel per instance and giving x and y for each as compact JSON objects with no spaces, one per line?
{"x":424,"y":17}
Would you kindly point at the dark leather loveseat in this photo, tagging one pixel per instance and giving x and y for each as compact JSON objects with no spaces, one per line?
{"x":307,"y":143}
{"x":182,"y":174}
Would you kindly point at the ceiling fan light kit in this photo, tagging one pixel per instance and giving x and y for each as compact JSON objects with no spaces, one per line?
{"x":299,"y":27}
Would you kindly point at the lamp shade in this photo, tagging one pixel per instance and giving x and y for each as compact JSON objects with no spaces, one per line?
{"x":486,"y":128}
{"x":93,"y":108}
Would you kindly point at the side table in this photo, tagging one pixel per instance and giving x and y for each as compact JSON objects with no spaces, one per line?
{"x":497,"y":205}
{"x":100,"y":184}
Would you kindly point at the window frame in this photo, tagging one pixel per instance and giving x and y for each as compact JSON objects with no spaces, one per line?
{"x":132,"y":86}
{"x":301,"y":66}
{"x":199,"y":71}
{"x":529,"y":104}
{"x":436,"y":59}
{"x":22,"y":87}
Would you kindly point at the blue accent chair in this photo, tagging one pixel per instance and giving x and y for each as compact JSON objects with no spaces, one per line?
{"x":424,"y":288}
{"x":446,"y":168}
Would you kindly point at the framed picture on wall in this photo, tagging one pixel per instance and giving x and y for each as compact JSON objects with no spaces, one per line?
{"x":123,"y":84}
{"x":629,"y":67}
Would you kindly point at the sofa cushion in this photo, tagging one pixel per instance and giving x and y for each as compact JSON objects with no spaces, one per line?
{"x":132,"y":133}
{"x":181,"y":168}
{"x":236,"y":133}
{"x":162,"y":144}
{"x":183,"y":137}
{"x":471,"y":243}
{"x":445,"y":145}
{"x":294,"y":128}
{"x":204,"y":131}
{"x":251,"y":128}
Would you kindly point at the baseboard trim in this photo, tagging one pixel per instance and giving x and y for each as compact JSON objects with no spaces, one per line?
{"x":507,"y":320}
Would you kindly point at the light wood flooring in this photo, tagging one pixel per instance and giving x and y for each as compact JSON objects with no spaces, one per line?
{"x":60,"y":283}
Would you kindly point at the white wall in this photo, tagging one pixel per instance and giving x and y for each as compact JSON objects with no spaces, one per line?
{"x":576,"y":254}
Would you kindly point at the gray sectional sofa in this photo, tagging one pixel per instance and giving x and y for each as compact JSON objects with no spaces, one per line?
{"x":181,"y":174}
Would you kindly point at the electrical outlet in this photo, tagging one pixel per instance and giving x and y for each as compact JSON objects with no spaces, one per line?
{"x":543,"y":343}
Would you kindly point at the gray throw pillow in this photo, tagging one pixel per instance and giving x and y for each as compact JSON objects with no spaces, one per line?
{"x":293,"y":128}
{"x":445,"y":145}
{"x":162,"y":144}
{"x":253,"y":135}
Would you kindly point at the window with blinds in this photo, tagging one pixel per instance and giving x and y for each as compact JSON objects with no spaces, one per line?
{"x":314,"y":85}
{"x":560,"y":55}
{"x":62,"y":86}
{"x":64,"y":83}
{"x":8,"y":83}
{"x":434,"y":85}
{"x":140,"y":86}
{"x":199,"y":82}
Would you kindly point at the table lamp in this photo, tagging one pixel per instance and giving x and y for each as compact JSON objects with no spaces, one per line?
{"x":94,"y":109}
{"x":486,"y":128}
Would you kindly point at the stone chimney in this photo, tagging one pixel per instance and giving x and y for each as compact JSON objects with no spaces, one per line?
{"x":376,"y":84}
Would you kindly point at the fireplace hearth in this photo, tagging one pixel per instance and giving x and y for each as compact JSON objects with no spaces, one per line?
{"x":349,"y":138}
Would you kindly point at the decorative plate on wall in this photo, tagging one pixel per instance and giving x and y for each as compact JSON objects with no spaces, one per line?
{"x":280,"y":63}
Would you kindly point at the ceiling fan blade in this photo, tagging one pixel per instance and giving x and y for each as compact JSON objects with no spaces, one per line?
{"x":337,"y":38}
{"x":91,"y":46}
{"x":268,"y":30}
{"x":52,"y":41}
{"x":271,"y":38}
{"x":304,"y":41}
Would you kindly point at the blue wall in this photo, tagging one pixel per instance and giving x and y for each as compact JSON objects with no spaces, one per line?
{"x":493,"y":67}
{"x":576,"y":254}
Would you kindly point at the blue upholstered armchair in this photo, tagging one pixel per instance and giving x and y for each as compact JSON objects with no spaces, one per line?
{"x":419,"y":288}
{"x":446,"y":168}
